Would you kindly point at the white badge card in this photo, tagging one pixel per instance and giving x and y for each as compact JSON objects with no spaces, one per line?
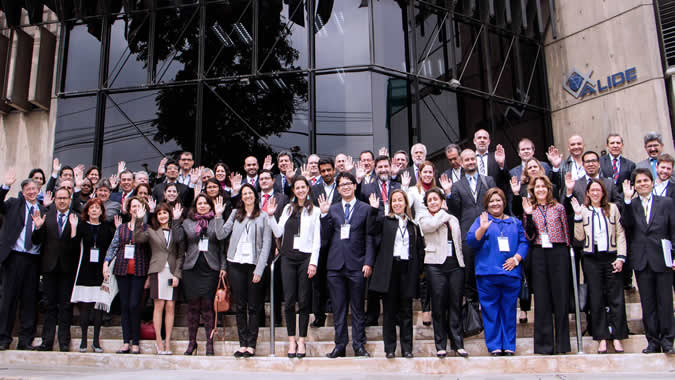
{"x":344,"y":231}
{"x":247,"y":249}
{"x":503,"y":242}
{"x":129,"y":250}
{"x":93,"y":255}
{"x":296,"y":242}
{"x":203,"y":245}
{"x":449,"y":248}
{"x":545,"y":240}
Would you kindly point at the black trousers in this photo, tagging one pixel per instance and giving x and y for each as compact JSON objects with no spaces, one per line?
{"x":550,"y":275}
{"x":278,"y":293}
{"x":57,"y":288}
{"x":605,"y":289}
{"x":470,"y":290}
{"x":373,"y":308}
{"x":297,"y":288}
{"x":397,"y":307}
{"x":131,"y":291}
{"x":446,"y":305}
{"x":248,"y":297}
{"x":424,"y":293}
{"x":20,"y":278}
{"x":346,"y":290}
{"x":656,"y":298}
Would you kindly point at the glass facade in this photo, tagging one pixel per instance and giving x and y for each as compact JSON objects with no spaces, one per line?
{"x":143,"y":79}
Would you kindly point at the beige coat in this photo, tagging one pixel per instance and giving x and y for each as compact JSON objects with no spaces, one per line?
{"x":436,"y":236}
{"x":583,"y":231}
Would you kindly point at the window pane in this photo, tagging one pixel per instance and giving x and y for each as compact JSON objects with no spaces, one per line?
{"x":343,"y":103}
{"x":127,"y":65}
{"x":176,"y":44}
{"x":389,"y":34}
{"x":229,"y":39}
{"x":75,"y":127}
{"x":282,"y":41}
{"x":342,"y":36}
{"x":82,"y":56}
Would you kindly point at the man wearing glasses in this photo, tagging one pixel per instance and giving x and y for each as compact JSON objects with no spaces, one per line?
{"x":185,"y":162}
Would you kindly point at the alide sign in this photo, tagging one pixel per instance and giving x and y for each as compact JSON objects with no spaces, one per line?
{"x":580,"y":85}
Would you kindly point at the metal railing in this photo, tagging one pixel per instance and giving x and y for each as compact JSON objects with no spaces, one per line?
{"x":272,"y":321}
{"x":577,"y":311}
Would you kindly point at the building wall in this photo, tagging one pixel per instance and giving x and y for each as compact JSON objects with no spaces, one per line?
{"x":608,"y":37}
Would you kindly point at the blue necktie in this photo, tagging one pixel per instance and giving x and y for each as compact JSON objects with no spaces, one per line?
{"x":61,"y":221}
{"x":347,"y":212}
{"x":27,"y":242}
{"x":653,"y":163}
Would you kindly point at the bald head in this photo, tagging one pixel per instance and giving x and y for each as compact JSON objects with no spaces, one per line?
{"x":575,"y":144}
{"x":468,"y":161}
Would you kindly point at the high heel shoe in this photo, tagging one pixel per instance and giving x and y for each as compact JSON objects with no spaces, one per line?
{"x":209,"y":348}
{"x":192,"y":347}
{"x":617,"y":350}
{"x":293,"y":354}
{"x":299,"y":354}
{"x":158,"y":351}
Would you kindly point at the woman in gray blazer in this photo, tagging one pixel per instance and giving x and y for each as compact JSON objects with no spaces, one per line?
{"x":204,"y":263}
{"x":246,"y":260}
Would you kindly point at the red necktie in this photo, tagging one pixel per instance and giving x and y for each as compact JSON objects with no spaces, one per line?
{"x":313,"y":181}
{"x":264,"y":206}
{"x":384,"y":191}
{"x":615,"y":170}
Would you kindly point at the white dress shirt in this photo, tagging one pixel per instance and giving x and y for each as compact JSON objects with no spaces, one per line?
{"x":402,"y":240}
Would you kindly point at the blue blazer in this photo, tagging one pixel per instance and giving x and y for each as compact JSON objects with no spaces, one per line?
{"x":359,"y":249}
{"x":488,"y":258}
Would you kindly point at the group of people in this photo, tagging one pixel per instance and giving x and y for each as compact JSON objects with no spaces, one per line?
{"x":377,"y":229}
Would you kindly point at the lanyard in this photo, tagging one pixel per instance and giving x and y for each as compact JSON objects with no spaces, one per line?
{"x":93,"y":231}
{"x":543,"y":211}
{"x":348,"y":215}
{"x":329,"y":196}
{"x":599,"y":220}
{"x":663,"y":192}
{"x":403,"y":231}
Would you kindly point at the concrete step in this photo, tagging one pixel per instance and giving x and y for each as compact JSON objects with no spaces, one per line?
{"x":421,"y":348}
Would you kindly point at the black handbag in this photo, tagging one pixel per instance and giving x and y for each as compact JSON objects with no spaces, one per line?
{"x":472,"y":321}
{"x":525,"y":297}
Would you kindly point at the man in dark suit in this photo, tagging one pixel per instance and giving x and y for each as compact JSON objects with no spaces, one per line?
{"x":184,"y":192}
{"x":19,"y":261}
{"x":653,"y":146}
{"x":382,"y":188}
{"x":251,"y":169}
{"x":59,"y":173}
{"x":649,"y":219}
{"x":58,"y":265}
{"x":591,"y":162}
{"x":465,"y":201}
{"x":328,"y":189}
{"x":418,"y":154}
{"x":126,"y":187}
{"x":455,"y":172}
{"x":267,"y":192}
{"x":351,"y":254}
{"x":282,"y":183}
{"x":525,"y":152}
{"x":313,"y":168}
{"x":614,"y":165}
{"x":490,"y":164}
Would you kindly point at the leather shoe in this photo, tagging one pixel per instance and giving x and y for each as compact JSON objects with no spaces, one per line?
{"x":318,"y":322}
{"x":461,"y":353}
{"x":42,"y":347}
{"x":408,"y":355}
{"x":669,"y":351}
{"x":24,"y":347}
{"x":336,"y":353}
{"x":390,"y":355}
{"x":64,"y":348}
{"x":4,"y":347}
{"x":651,"y":350}
{"x":361,"y":352}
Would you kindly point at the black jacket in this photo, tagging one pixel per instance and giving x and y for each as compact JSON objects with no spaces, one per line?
{"x":14,"y":212}
{"x":58,"y":254}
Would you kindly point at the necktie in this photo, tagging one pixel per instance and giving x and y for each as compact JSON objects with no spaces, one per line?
{"x":264,"y":206}
{"x":652,"y":161}
{"x":645,"y":206}
{"x":615,"y":170}
{"x":481,"y":165}
{"x":347,"y":212}
{"x":384,"y":192}
{"x":313,"y":181}
{"x":27,"y":241}
{"x":251,"y":181}
{"x":61,"y":222}
{"x":472,"y":183}
{"x":417,"y":173}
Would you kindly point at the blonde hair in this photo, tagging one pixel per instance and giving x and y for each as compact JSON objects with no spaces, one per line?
{"x":405,"y":198}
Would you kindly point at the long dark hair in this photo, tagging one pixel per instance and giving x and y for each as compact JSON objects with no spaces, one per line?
{"x":295,"y":206}
{"x":241,"y":210}
{"x":217,"y":183}
{"x":604,"y":203}
{"x":161,"y":207}
{"x":227,"y":172}
{"x":193,"y":209}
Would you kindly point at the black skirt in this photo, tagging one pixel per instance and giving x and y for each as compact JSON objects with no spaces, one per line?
{"x":201,"y":281}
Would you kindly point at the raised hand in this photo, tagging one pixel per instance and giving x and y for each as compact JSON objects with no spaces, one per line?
{"x":383,"y":152}
{"x":271,"y":206}
{"x":219,"y":206}
{"x":374,"y":202}
{"x":235,"y":180}
{"x":628,"y":190}
{"x":73,"y":219}
{"x":554,"y":156}
{"x":360,"y":171}
{"x":576,"y":206}
{"x":515,"y":185}
{"x":140,"y":212}
{"x":38,"y":219}
{"x":177,"y":211}
{"x":290,"y":173}
{"x":197,"y":190}
{"x":121,"y":166}
{"x":569,"y":183}
{"x":10,"y":177}
{"x":117,"y":219}
{"x":324,"y":204}
{"x":349,"y":164}
{"x":78,"y":176}
{"x":446,"y":183}
{"x":485,"y":222}
{"x":268,"y":164}
{"x":79,"y":167}
{"x":500,"y":155}
{"x":114,"y":179}
{"x":527,"y":206}
{"x":405,"y":180}
{"x":195,"y":175}
{"x":304,"y":170}
{"x":395,"y":169}
{"x":48,"y":199}
{"x":152,"y":203}
{"x":161,"y":169}
{"x":56,"y":166}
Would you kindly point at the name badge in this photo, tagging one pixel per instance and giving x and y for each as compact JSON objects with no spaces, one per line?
{"x":93,"y":255}
{"x":129,"y":251}
{"x":296,"y":242}
{"x":203,"y":245}
{"x":344,"y":232}
{"x":449,"y":248}
{"x":545,"y":241}
{"x":503,"y":242}
{"x":247,"y":249}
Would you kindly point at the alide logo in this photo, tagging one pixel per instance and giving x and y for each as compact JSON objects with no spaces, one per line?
{"x":579,"y":84}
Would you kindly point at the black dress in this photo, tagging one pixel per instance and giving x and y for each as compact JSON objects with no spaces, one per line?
{"x":90,"y":274}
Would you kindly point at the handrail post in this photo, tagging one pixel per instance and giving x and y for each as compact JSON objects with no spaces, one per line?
{"x":272,"y":321}
{"x":577,"y":311}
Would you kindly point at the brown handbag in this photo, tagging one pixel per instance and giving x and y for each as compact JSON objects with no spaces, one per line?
{"x":221,"y":302}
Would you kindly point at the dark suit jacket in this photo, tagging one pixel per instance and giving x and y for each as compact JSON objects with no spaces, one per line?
{"x":376,"y":188}
{"x":626,"y":167}
{"x":518,"y":170}
{"x":117,"y":195}
{"x":319,"y":189}
{"x":355,"y":252}
{"x":185,"y":194}
{"x":461,"y":203}
{"x":58,"y":254}
{"x":14,"y":212}
{"x":278,"y":185}
{"x":384,"y":230}
{"x":449,"y":174}
{"x":645,"y":238}
{"x":493,"y":170}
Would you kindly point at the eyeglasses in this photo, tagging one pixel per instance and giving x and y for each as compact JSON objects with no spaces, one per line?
{"x":345,"y":184}
{"x":62,"y":198}
{"x":591,"y":162}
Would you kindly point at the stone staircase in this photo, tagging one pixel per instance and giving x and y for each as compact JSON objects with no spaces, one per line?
{"x":320,"y":342}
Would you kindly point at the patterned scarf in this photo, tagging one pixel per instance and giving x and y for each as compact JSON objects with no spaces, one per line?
{"x":202,"y":221}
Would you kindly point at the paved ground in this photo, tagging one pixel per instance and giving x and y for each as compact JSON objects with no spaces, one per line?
{"x":35,"y":373}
